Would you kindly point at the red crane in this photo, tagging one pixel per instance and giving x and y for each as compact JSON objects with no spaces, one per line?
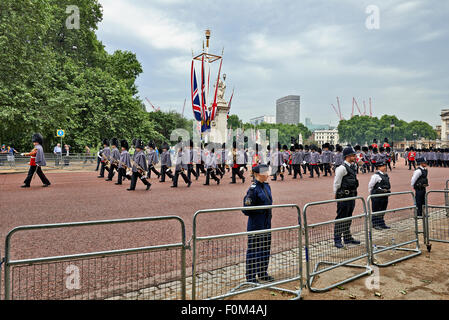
{"x":154,"y":108}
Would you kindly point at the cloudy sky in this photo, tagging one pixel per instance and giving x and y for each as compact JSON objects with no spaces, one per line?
{"x":318,"y":49}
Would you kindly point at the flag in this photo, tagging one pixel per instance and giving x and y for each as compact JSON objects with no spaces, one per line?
{"x":230,"y":100}
{"x":196,"y":104}
{"x":214,"y":104}
{"x":203,"y":93}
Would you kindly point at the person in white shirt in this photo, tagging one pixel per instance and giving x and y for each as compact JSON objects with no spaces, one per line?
{"x":379,"y":184}
{"x":419,"y":183}
{"x":345,"y":186}
{"x":211,"y":166}
{"x":58,"y":154}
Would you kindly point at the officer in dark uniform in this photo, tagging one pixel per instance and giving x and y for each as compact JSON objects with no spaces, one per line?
{"x":419,"y":183}
{"x":258,"y":252}
{"x":379,"y":183}
{"x":345,"y":186}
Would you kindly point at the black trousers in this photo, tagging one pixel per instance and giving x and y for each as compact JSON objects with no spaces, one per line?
{"x":200,"y":167}
{"x":122,"y":175}
{"x":327,"y":169}
{"x":152,"y":168}
{"x":344,"y":210}
{"x":305,"y":166}
{"x":183,"y":175}
{"x":258,"y":255}
{"x":112,"y":171}
{"x":39,"y":172}
{"x":277,"y":171}
{"x":379,"y":204}
{"x":191,"y":171}
{"x":102,"y":168}
{"x":134,"y":177}
{"x":211,"y":173}
{"x":410,"y":163}
{"x":164,"y":172}
{"x":296,"y":170}
{"x":316,"y":168}
{"x":98,"y":163}
{"x":420,"y":196}
{"x":237,"y":172}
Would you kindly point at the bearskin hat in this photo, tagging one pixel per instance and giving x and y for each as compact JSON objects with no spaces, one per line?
{"x":365,"y":149}
{"x":124,"y":144}
{"x":381,"y":149}
{"x":357,"y":148}
{"x":151,"y":144}
{"x":106,"y":142}
{"x":165,"y":146}
{"x":114,"y":142}
{"x":339,"y":148}
{"x":301,"y":147}
{"x":37,"y":137}
{"x":140,"y":144}
{"x":375,"y":150}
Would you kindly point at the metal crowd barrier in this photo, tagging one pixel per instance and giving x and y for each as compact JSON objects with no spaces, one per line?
{"x":53,"y":161}
{"x":320,"y":249}
{"x":152,"y":272}
{"x":220,"y":262}
{"x":436,"y":220}
{"x":403,"y":232}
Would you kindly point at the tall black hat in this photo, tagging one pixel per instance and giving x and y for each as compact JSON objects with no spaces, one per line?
{"x":106,"y":142}
{"x":114,"y":142}
{"x":124,"y":144}
{"x":151,"y":144}
{"x":284,"y":147}
{"x":325,"y":145}
{"x":357,"y":147}
{"x":165,"y":146}
{"x":134,"y":142}
{"x":381,"y":149}
{"x":37,"y":137}
{"x":140,"y":144}
{"x":365,"y":149}
{"x":386,"y":140}
{"x":296,"y":146}
{"x":339,"y":148}
{"x":301,"y":147}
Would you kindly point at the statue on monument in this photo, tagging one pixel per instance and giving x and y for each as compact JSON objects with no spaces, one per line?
{"x":221,"y":89}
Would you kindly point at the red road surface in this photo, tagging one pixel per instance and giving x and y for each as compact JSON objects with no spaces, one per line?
{"x":74,"y":197}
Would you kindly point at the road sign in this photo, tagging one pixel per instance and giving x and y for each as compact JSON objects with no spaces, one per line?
{"x":60,"y":133}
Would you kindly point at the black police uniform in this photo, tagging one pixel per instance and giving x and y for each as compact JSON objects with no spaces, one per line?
{"x":420,"y":190}
{"x":259,"y":246}
{"x":380,"y":203}
{"x":348,"y":189}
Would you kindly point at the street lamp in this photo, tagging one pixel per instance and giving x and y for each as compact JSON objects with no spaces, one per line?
{"x":392,"y":134}
{"x":414,"y":139}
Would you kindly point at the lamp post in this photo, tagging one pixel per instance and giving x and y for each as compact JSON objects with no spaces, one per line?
{"x":392,"y":134}
{"x":414,"y":139}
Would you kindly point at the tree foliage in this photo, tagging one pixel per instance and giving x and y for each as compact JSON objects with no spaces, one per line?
{"x":53,"y":77}
{"x":363,"y":129}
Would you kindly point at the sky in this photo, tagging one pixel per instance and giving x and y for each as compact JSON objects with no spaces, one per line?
{"x":392,"y":51}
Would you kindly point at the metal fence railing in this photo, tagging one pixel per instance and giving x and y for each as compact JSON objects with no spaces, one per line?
{"x":436,"y":219}
{"x":322,"y":256}
{"x":144,"y":273}
{"x":222,"y":262}
{"x":401,"y":240}
{"x":53,"y":161}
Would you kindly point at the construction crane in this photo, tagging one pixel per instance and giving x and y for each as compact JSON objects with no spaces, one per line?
{"x":354,"y":105}
{"x":338,"y":111}
{"x":152,"y":106}
{"x":183,"y":108}
{"x":354,"y":102}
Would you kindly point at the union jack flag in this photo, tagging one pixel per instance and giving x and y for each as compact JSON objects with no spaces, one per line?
{"x":196,"y":104}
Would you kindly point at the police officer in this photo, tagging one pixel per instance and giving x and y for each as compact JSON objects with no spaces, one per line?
{"x":259,"y":246}
{"x":379,"y":184}
{"x":419,"y":183}
{"x":345,"y":186}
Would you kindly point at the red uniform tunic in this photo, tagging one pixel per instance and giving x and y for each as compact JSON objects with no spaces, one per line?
{"x":411,"y":156}
{"x":32,"y":154}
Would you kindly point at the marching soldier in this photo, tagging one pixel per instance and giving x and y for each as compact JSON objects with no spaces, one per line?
{"x":200,"y":163}
{"x":37,"y":161}
{"x":259,"y":246}
{"x":182,"y":161}
{"x":104,"y":157}
{"x":314,"y":158}
{"x":338,"y":156}
{"x":211,"y":166}
{"x":306,"y":160}
{"x":379,"y":184}
{"x":326,"y":159}
{"x":165,"y":163}
{"x":152,"y":160}
{"x":297,"y":159}
{"x":139,"y":167}
{"x":190,"y":154}
{"x":237,"y":164}
{"x":420,"y":183}
{"x":277,"y":160}
{"x":374,"y":158}
{"x":114,"y":158}
{"x":345,"y":186}
{"x":124,"y":162}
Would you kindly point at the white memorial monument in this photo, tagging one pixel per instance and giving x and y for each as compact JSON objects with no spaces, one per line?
{"x":219,"y":126}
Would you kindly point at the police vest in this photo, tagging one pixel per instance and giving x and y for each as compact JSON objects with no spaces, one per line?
{"x":422,"y":181}
{"x":383,"y":184}
{"x":349,"y":183}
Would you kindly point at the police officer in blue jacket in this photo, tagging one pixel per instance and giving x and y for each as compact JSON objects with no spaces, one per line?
{"x":258,"y":252}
